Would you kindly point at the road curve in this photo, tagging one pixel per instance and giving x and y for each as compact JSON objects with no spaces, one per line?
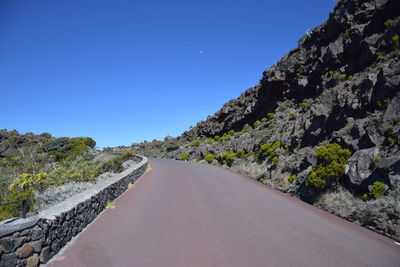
{"x":190,"y":214}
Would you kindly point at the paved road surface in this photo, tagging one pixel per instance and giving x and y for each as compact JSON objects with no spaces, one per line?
{"x":188,"y":214}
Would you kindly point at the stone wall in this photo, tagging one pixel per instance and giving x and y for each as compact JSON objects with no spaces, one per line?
{"x":35,"y":240}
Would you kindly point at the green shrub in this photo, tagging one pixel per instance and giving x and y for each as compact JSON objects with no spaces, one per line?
{"x":331,"y":166}
{"x":185,"y":156}
{"x":114,"y":165}
{"x":389,"y":22}
{"x":268,"y":150}
{"x":271,"y":115}
{"x":171,"y":146}
{"x":382,"y":104}
{"x":378,"y":189}
{"x":65,"y":148}
{"x":226,"y":137}
{"x":376,"y":159}
{"x":379,"y":55}
{"x":337,"y":76}
{"x":196,"y":143}
{"x":211,"y":141}
{"x":391,"y":140}
{"x":46,"y":135}
{"x":87,"y":141}
{"x":240,"y":153}
{"x":13,"y":210}
{"x":263,"y":119}
{"x":342,"y":76}
{"x":231,"y":132}
{"x":209,"y":158}
{"x":292,"y":178}
{"x":305,"y":103}
{"x":228,"y":158}
{"x":365,"y":197}
{"x":217,"y":138}
{"x":292,"y":115}
{"x":61,"y":145}
{"x":275,"y":161}
{"x":257,"y":123}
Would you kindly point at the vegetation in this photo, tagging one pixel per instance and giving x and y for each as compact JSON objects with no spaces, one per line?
{"x":209,"y":158}
{"x":268,"y":150}
{"x":376,"y":159}
{"x":211,"y":141}
{"x":331,"y":166}
{"x":305,"y":103}
{"x":226,"y":137}
{"x":389,"y":22}
{"x":292,"y":178}
{"x":275,"y":161}
{"x":196,"y":143}
{"x":33,"y":163}
{"x":337,"y":76}
{"x":171,"y":146}
{"x":257,"y":123}
{"x":240,"y":153}
{"x":376,"y":190}
{"x":185,"y":156}
{"x":226,"y":158}
{"x":114,"y":165}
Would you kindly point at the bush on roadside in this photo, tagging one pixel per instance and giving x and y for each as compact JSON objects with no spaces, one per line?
{"x":209,"y":158}
{"x":331,"y":166}
{"x":14,"y":210}
{"x":185,"y":156}
{"x":226,"y":158}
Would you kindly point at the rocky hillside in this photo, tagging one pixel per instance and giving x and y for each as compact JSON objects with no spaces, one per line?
{"x":323,"y":124}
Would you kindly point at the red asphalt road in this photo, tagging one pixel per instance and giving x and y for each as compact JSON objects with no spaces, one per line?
{"x":190,"y":214}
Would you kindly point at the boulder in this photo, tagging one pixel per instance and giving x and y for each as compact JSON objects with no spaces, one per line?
{"x":359,"y":167}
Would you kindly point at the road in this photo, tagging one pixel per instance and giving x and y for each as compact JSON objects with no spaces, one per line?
{"x":190,"y":214}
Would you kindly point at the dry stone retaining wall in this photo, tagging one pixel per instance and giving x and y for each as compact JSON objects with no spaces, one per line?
{"x":34,"y":240}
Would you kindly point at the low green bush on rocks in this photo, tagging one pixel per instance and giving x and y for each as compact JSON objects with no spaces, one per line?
{"x":331,"y":166}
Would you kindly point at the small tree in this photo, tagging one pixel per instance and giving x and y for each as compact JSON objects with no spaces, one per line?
{"x":209,"y":158}
{"x":331,"y":166}
{"x":185,"y":156}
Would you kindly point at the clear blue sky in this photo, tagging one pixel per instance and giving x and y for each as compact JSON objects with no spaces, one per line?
{"x":127,"y":71}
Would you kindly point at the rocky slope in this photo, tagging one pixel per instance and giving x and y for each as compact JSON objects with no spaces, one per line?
{"x":323,"y":124}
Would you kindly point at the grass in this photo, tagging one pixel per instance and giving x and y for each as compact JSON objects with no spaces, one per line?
{"x":149,"y":168}
{"x":131,"y":186}
{"x":110,"y":205}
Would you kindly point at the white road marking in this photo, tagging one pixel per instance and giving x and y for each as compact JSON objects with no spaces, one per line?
{"x":397,"y":243}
